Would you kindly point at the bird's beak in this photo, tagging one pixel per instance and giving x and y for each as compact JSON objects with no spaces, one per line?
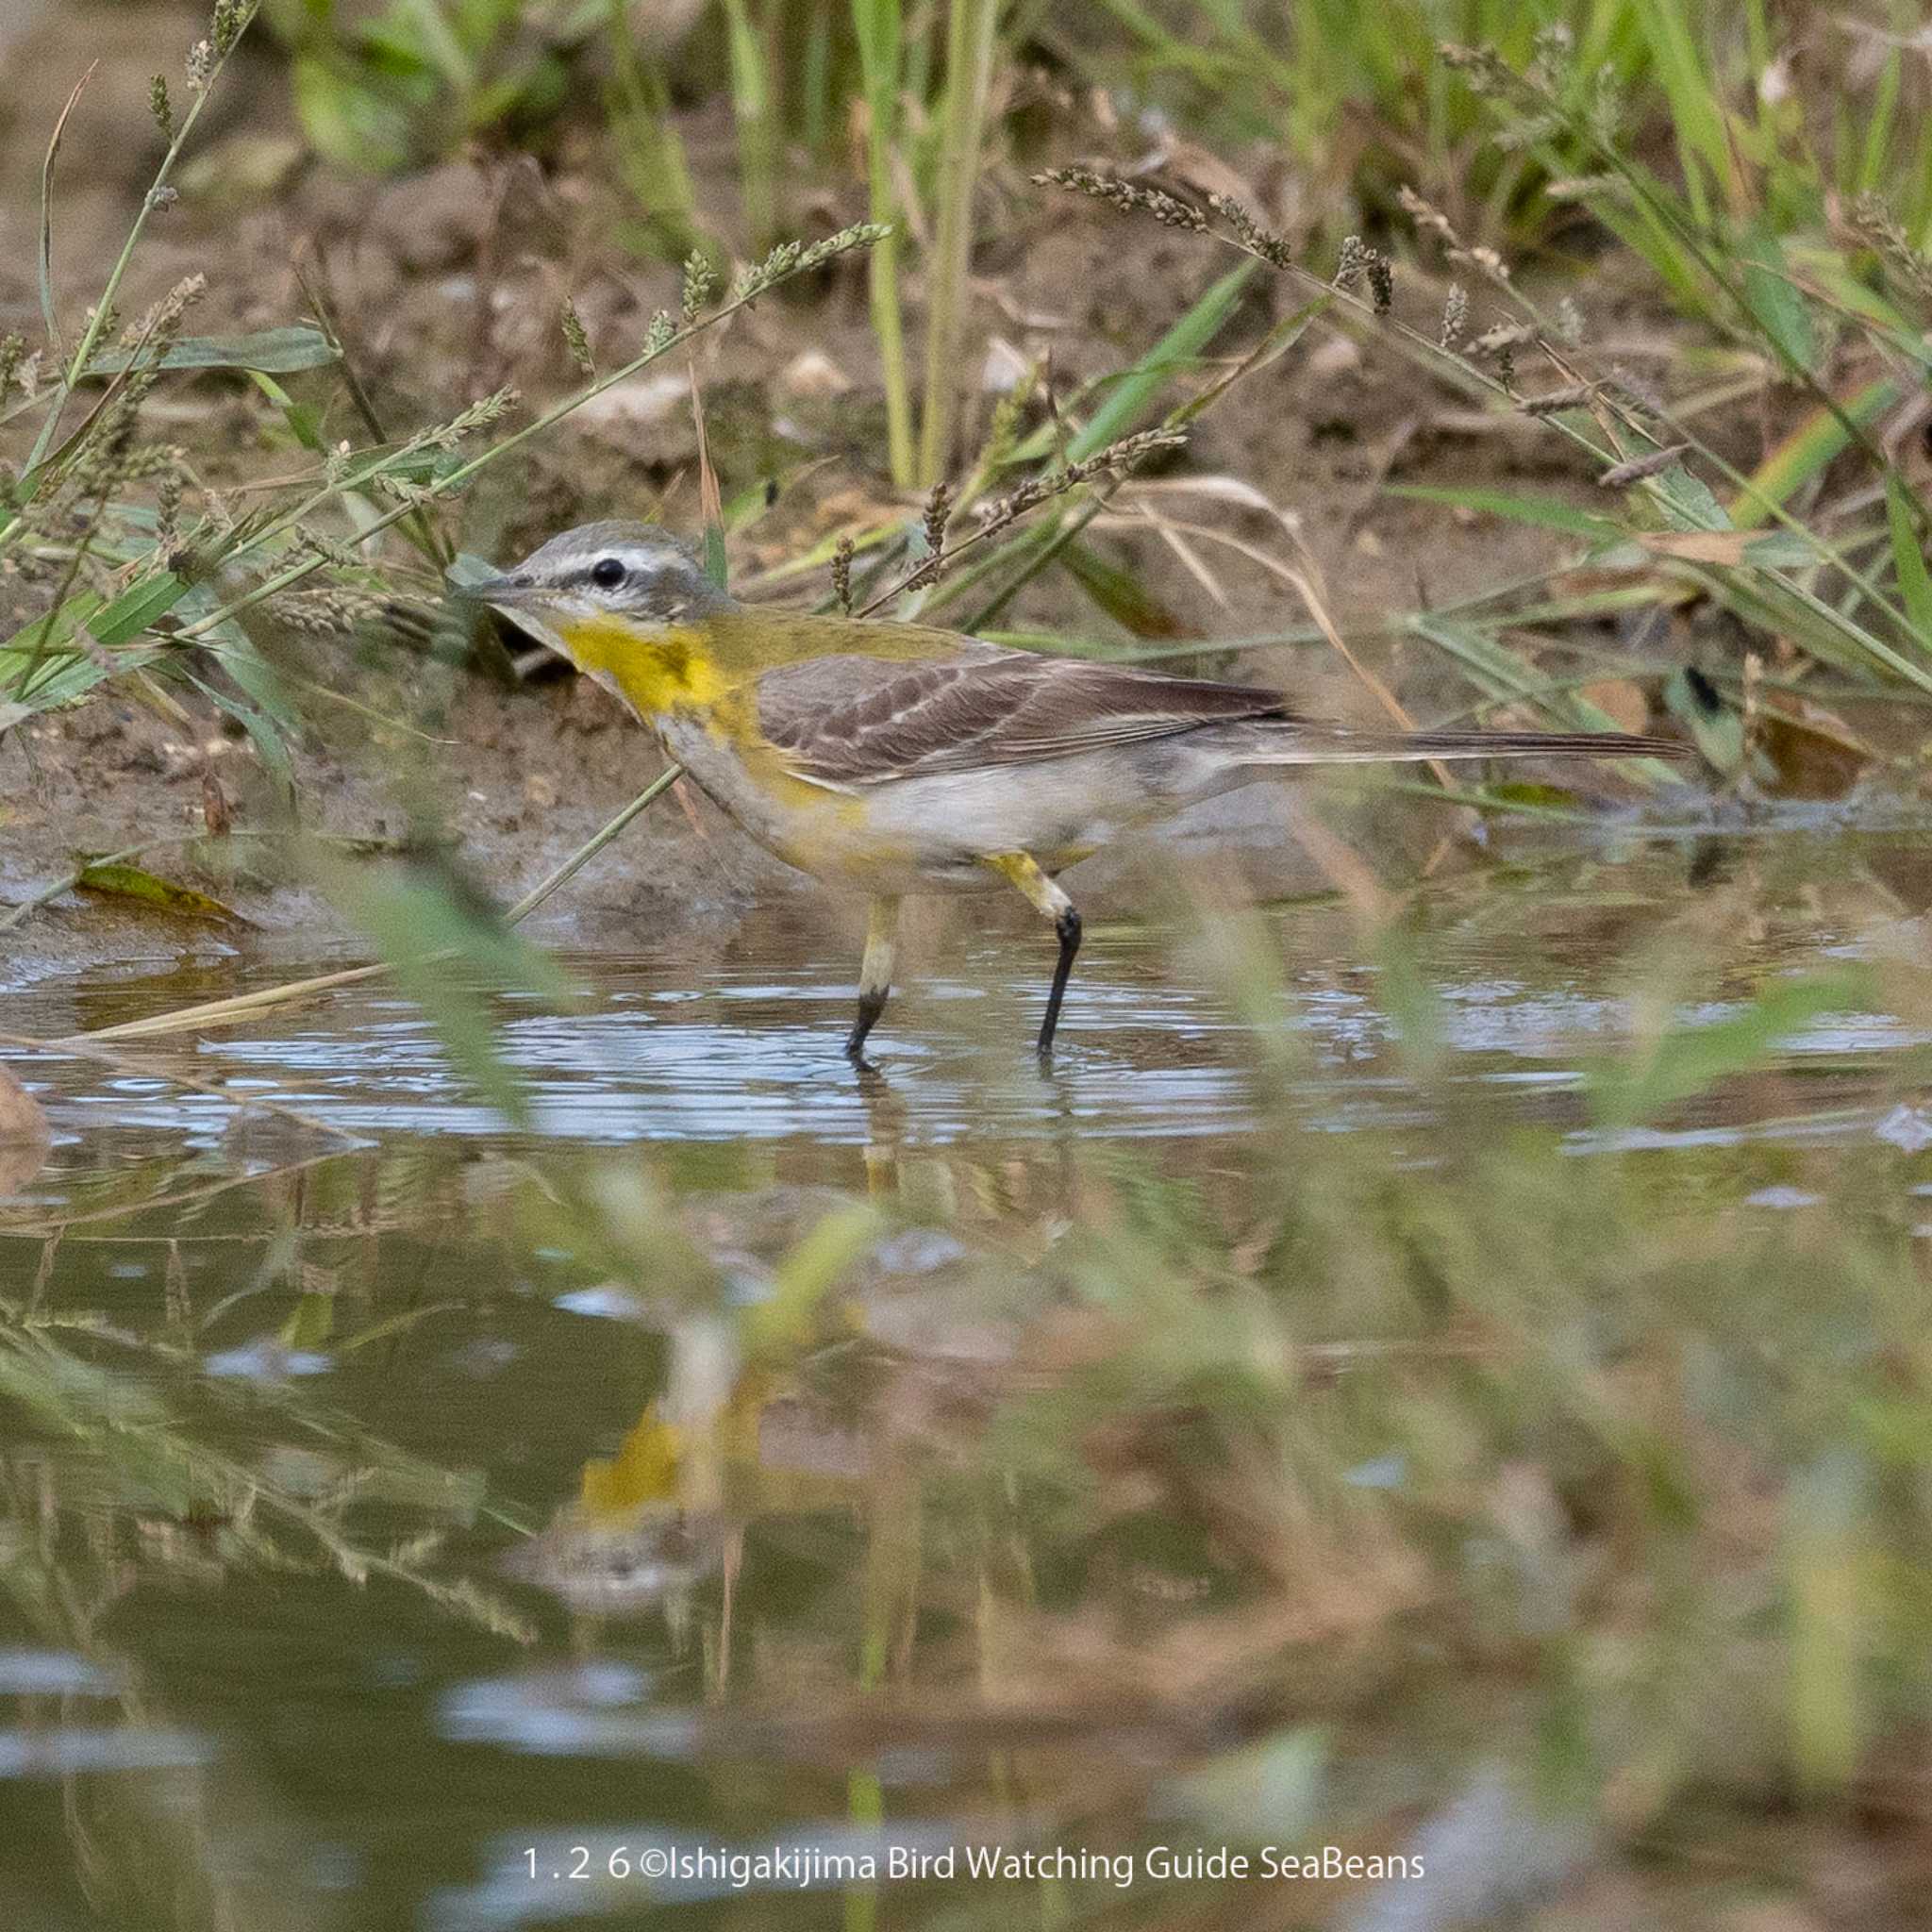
{"x":500,"y":591}
{"x":530,"y":607}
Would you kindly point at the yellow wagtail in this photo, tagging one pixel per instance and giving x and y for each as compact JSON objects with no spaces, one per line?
{"x":898,"y":758}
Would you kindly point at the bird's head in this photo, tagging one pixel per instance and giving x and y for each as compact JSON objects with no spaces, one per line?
{"x":637,"y":574}
{"x":625,"y":603}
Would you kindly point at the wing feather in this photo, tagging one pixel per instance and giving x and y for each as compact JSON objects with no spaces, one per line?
{"x":847,"y":721}
{"x":855,"y":722}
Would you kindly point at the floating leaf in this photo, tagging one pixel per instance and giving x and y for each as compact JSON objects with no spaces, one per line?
{"x":122,"y":881}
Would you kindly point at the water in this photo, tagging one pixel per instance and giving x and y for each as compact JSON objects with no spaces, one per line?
{"x":348,"y":1583}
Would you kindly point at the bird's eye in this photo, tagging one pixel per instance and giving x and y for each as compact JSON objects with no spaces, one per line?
{"x":607,"y":573}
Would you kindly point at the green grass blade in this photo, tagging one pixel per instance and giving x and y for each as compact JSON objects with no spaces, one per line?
{"x":1817,"y":442}
{"x":1774,"y":304}
{"x":1131,"y":396}
{"x":969,"y":28}
{"x":1542,"y":512}
{"x":758,"y":131}
{"x":1909,"y":560}
{"x":877,"y":25}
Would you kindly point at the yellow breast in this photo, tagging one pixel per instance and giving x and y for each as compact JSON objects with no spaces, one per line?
{"x":656,"y":671}
{"x":701,"y":701}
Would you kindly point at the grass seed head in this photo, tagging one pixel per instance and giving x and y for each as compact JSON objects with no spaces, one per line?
{"x":151,"y":460}
{"x":1872,"y":222}
{"x":1357,"y":264}
{"x":1638,"y":468}
{"x":579,"y":339}
{"x":228,"y":23}
{"x":1555,"y":54}
{"x":700,"y":279}
{"x":1115,"y":458}
{"x":1482,"y":69}
{"x":1130,"y":197}
{"x":1486,"y":262}
{"x":1250,"y":233}
{"x":479,"y":415}
{"x":97,"y":467}
{"x":325,"y":547}
{"x":1606,"y":112}
{"x":401,"y":489}
{"x":168,"y":492}
{"x":861,"y":235}
{"x":841,"y":576}
{"x":162,"y":323}
{"x":939,"y":512}
{"x":753,"y":280}
{"x":1505,"y":335}
{"x":161,"y":107}
{"x":1429,"y":219}
{"x":1554,"y":402}
{"x":1586,"y":187}
{"x":326,"y":612}
{"x":1636,"y":395}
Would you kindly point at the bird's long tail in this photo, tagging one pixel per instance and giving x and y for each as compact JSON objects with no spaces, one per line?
{"x":1302,"y":743}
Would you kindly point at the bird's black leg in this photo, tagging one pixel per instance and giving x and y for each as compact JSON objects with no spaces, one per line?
{"x":871,"y":1005}
{"x":875,"y":974}
{"x":1023,"y":870}
{"x":1068,"y":926}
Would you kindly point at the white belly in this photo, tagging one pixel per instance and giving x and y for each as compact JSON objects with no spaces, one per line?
{"x":933,"y":833}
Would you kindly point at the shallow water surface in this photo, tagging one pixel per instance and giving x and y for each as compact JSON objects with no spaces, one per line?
{"x":364,"y":1571}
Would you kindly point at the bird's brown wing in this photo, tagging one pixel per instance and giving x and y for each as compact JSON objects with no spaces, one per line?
{"x":855,"y":721}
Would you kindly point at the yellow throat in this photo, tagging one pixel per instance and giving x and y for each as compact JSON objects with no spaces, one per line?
{"x":656,"y":668}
